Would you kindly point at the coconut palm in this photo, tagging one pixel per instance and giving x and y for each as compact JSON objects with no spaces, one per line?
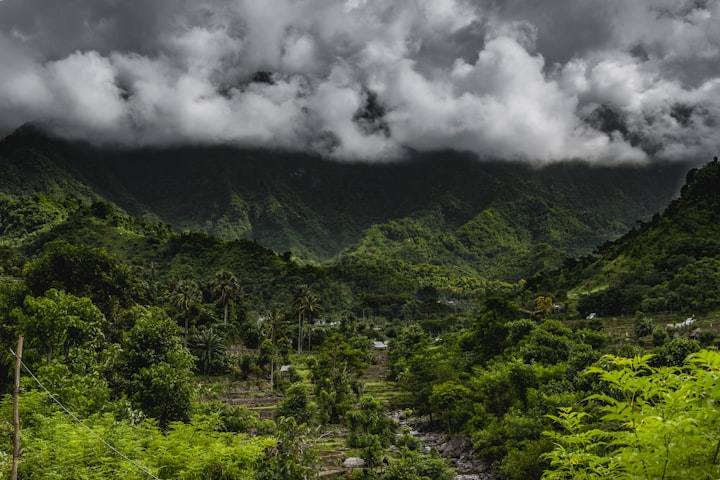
{"x":300,"y":293}
{"x":226,"y":287}
{"x":307,"y":305}
{"x":186,"y":295}
{"x":274,"y":320}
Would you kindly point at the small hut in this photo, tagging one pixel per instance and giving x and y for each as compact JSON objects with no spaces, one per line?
{"x":353,"y":462}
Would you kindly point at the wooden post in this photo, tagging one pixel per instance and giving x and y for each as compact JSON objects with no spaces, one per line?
{"x":272,"y":354}
{"x":16,"y":412}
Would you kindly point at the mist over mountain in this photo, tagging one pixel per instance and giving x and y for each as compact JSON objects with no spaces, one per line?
{"x":497,"y":219}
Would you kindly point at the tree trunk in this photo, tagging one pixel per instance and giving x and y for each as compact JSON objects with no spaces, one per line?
{"x":226,"y":313}
{"x":309,"y":335}
{"x":272,"y":369}
{"x":299,"y":333}
{"x":272,"y":355}
{"x":334,"y":364}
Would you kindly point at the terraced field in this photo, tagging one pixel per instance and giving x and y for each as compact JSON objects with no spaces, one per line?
{"x":622,"y":329}
{"x":330,"y":441}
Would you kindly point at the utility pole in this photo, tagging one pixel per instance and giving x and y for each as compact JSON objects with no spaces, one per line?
{"x":272,"y":361}
{"x":16,"y":412}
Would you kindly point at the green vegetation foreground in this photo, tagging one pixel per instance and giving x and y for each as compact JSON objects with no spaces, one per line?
{"x":127,"y":340}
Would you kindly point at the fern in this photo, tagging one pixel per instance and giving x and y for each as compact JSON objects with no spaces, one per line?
{"x":657,"y":423}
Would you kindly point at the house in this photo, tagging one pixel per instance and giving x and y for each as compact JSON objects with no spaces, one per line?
{"x":686,"y":323}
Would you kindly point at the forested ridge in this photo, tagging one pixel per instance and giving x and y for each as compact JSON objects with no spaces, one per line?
{"x":488,"y":218}
{"x":665,"y":264}
{"x":220,"y":358}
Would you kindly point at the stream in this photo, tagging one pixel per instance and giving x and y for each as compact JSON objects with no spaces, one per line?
{"x":457,"y":450}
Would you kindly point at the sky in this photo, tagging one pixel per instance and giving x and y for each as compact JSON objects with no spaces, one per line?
{"x":598,"y":80}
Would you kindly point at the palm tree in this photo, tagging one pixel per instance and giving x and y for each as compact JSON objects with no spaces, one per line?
{"x":209,"y":347}
{"x":643,"y":327}
{"x":185,"y":295}
{"x":313,"y":308}
{"x":307,"y":305}
{"x":226,"y":287}
{"x":300,"y":293}
{"x":274,"y":319}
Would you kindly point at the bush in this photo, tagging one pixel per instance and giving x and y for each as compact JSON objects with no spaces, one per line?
{"x":670,"y":430}
{"x":296,"y":404}
{"x":706,"y":338}
{"x":675,"y":352}
{"x":597,"y":339}
{"x":519,"y":329}
{"x":658,"y":337}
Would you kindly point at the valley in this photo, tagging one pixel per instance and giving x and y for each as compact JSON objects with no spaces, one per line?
{"x":359,"y":240}
{"x":502,"y":308}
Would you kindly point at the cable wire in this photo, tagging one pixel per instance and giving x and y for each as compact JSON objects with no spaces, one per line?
{"x":75,"y":417}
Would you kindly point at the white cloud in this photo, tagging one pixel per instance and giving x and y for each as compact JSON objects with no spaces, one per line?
{"x":83,"y":87}
{"x":505,"y":80}
{"x":502,"y":106}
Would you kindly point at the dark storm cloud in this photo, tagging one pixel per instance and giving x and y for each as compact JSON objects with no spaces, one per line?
{"x":515,"y":79}
{"x":57,"y":28}
{"x":565,"y":28}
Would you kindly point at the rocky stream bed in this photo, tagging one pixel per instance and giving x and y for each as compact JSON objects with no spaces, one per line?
{"x":456,"y":449}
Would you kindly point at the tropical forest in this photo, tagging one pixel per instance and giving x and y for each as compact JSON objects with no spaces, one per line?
{"x":232,"y":314}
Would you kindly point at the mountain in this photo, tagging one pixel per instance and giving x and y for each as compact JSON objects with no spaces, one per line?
{"x":494,"y":219}
{"x":670,"y":263}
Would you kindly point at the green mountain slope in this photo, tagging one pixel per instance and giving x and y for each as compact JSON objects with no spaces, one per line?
{"x":159,"y":256}
{"x":671,"y":263}
{"x":444,"y":209}
{"x":533,"y":220}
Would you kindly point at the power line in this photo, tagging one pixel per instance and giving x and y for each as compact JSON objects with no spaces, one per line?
{"x":75,"y":417}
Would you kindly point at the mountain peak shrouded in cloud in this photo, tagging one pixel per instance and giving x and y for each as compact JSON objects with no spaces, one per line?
{"x":368,"y":79}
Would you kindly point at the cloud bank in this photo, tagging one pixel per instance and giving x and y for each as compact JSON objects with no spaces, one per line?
{"x":610,"y":80}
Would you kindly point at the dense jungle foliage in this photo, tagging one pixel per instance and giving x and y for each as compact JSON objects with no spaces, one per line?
{"x":132,"y":327}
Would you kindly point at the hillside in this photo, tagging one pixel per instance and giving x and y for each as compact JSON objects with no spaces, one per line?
{"x":492,"y":219}
{"x":670,"y":263}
